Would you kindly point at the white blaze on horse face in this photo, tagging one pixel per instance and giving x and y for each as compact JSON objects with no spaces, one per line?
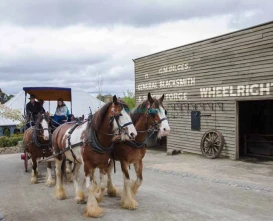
{"x":45,"y":129}
{"x":130,"y":129}
{"x":164,"y":128}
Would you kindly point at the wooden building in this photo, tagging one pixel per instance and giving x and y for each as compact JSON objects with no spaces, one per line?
{"x":223,"y":84}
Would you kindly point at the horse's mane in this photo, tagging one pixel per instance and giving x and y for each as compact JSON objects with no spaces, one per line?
{"x":140,"y":109}
{"x":99,"y":116}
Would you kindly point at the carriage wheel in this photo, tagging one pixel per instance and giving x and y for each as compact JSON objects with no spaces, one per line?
{"x":26,"y":160}
{"x":212,"y":144}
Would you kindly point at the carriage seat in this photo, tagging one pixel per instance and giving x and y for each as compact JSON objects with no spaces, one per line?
{"x":69,"y":116}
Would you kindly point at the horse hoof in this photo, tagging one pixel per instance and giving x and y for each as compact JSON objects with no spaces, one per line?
{"x":39,"y":175}
{"x":129,"y":204}
{"x":134,"y":188}
{"x":50,"y":183}
{"x":80,"y":201}
{"x":80,"y":197}
{"x":113,"y":192}
{"x":33,"y":180}
{"x":60,"y":193}
{"x":93,"y":212}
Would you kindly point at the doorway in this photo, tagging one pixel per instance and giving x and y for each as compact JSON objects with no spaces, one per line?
{"x":256,"y":128}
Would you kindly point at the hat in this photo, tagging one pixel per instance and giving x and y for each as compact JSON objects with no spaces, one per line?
{"x":32,"y":96}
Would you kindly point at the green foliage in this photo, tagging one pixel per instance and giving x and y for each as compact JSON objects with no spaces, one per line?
{"x":4,"y":97}
{"x":100,"y":97}
{"x":129,"y":98}
{"x":6,"y":132}
{"x":105,"y":98}
{"x":10,"y":141}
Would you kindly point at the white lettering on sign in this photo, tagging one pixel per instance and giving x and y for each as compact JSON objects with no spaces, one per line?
{"x":147,"y":86}
{"x":174,"y":68}
{"x":177,"y":83}
{"x":239,"y":91}
{"x":182,"y":82}
{"x":168,"y":97}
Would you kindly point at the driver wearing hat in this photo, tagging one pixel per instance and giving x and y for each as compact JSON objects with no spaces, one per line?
{"x":33,"y":107}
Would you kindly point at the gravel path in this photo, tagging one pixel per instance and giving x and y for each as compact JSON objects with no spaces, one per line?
{"x":170,"y":191}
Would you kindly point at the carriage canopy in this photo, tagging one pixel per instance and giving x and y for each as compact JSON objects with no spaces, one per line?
{"x":49,"y":93}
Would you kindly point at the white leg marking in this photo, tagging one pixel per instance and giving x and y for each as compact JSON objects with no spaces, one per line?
{"x":50,"y":181}
{"x":80,"y":197}
{"x":92,"y":208}
{"x":59,"y":191}
{"x":127,"y":200}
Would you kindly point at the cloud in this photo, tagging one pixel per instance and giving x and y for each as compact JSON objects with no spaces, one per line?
{"x":73,"y":56}
{"x":68,"y":43}
{"x":52,"y":13}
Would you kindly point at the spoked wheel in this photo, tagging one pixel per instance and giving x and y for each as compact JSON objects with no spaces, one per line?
{"x":212,"y":144}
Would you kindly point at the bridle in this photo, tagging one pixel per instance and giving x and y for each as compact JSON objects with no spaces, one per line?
{"x":151,"y":112}
{"x":37,"y":129}
{"x":92,"y":140}
{"x":115,"y":116}
{"x":38,"y":122}
{"x":152,"y":128}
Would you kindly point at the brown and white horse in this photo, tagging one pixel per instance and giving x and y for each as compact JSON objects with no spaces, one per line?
{"x":91,"y":145}
{"x":148,"y":116}
{"x":37,"y":142}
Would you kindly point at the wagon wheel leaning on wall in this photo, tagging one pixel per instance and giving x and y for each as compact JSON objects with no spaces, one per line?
{"x":212,"y":144}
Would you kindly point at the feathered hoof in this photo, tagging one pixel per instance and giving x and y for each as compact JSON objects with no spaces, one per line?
{"x":50,"y":183}
{"x":39,"y":175}
{"x":80,"y":197}
{"x":99,"y":196}
{"x":33,"y":180}
{"x":134,"y":188}
{"x":129,"y":204}
{"x":113,"y":192}
{"x":94,"y":212}
{"x":60,"y":193}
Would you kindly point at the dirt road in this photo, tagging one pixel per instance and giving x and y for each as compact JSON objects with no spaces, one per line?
{"x":174,"y":188}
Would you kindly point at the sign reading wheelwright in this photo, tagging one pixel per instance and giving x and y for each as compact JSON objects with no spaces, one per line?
{"x":237,"y":91}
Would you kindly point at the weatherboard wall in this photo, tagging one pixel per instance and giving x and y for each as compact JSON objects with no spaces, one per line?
{"x":209,"y":76}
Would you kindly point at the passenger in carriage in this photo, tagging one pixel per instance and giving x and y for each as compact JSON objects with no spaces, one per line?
{"x":32,"y":108}
{"x":61,"y":113}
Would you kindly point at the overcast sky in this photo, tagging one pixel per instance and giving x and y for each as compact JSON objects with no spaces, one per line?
{"x":66,"y":43}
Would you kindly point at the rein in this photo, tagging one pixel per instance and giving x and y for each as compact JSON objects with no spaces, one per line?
{"x":92,"y":140}
{"x":35,"y":136}
{"x":155,"y":128}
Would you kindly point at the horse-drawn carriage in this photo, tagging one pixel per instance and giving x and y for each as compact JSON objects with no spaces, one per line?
{"x":113,"y":133}
{"x":46,"y":94}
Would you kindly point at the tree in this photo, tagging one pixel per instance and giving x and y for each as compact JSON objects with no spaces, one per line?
{"x":13,"y":114}
{"x":4,"y":97}
{"x":129,"y":98}
{"x":100,"y":97}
